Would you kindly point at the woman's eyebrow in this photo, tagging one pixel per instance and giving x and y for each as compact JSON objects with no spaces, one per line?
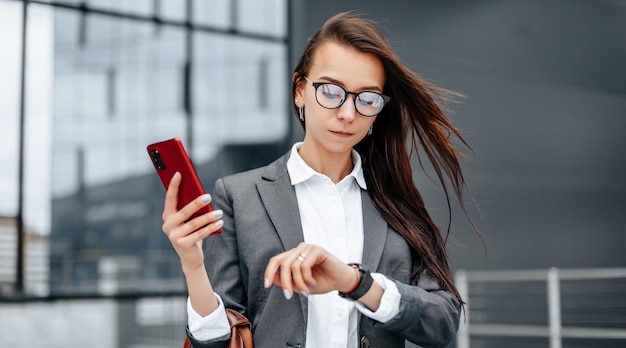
{"x":337,"y":82}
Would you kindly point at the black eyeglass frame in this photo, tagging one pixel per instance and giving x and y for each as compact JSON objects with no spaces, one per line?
{"x":316,"y":85}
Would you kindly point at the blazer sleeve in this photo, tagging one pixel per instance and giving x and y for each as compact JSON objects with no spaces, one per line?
{"x":428,"y":316}
{"x":222,"y":255}
{"x":221,"y":262}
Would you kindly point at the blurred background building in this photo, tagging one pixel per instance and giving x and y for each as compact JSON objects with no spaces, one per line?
{"x":87,"y":85}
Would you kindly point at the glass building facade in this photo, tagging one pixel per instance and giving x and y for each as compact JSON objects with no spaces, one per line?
{"x":130,"y":73}
{"x":87,"y":86}
{"x":110,"y":77}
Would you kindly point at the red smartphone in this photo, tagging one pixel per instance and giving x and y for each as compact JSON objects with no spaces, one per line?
{"x":168,"y":157}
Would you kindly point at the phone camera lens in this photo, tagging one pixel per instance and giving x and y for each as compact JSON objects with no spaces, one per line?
{"x":158,"y":161}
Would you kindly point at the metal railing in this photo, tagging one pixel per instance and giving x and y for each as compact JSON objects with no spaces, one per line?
{"x":554,"y":331}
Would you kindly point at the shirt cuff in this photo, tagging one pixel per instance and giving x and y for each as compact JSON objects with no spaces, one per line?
{"x":213,"y":326}
{"x":389,"y":303}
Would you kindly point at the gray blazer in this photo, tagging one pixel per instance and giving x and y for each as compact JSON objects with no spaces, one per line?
{"x":261,"y":219}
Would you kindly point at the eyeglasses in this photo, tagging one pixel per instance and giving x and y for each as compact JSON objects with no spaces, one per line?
{"x":331,"y":96}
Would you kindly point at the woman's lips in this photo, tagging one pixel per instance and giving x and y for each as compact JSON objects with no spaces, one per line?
{"x":342,"y":134}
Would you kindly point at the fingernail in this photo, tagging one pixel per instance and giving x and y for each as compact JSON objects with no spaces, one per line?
{"x":287,"y":294}
{"x":219,"y":223}
{"x":266,"y":283}
{"x":304,"y":293}
{"x":217,"y":213}
{"x":206,"y":198}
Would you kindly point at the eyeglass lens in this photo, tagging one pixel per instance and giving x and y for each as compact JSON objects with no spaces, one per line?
{"x":332,"y":96}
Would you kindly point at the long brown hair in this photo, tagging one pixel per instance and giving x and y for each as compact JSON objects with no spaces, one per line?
{"x":417,"y":109}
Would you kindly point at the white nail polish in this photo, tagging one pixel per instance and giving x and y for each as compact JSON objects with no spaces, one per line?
{"x":205,"y":198}
{"x":287,"y":294}
{"x":266,"y":283}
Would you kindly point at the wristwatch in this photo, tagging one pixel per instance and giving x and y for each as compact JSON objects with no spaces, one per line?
{"x":365,"y":283}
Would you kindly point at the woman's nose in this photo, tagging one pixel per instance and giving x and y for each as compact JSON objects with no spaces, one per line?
{"x":347,"y":111}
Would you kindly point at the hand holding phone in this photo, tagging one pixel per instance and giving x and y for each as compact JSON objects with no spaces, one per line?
{"x":169,"y":157}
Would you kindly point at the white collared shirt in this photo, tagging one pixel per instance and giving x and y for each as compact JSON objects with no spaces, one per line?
{"x":332,"y":217}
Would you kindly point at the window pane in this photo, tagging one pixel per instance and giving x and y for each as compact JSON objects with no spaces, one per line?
{"x":10,"y":66}
{"x":215,"y":13}
{"x":267,"y":17}
{"x":174,"y":9}
{"x":40,"y":53}
{"x":230,"y":78}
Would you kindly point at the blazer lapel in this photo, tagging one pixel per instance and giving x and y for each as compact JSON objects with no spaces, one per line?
{"x":281,"y":204}
{"x":374,"y":233}
{"x":279,"y":199}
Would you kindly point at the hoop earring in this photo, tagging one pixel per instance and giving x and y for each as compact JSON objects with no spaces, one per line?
{"x":301,"y":113}
{"x":371,"y":130}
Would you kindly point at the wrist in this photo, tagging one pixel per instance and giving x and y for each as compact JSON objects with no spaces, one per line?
{"x":355,"y":278}
{"x":191,"y":270}
{"x":363,"y":285}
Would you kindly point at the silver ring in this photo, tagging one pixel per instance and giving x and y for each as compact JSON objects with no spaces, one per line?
{"x":301,"y":257}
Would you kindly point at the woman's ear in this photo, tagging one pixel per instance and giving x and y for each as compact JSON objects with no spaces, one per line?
{"x":298,"y":94}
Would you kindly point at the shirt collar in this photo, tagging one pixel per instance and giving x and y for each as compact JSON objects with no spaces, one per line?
{"x":299,"y":171}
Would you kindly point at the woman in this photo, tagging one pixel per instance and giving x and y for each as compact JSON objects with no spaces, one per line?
{"x":331,"y":245}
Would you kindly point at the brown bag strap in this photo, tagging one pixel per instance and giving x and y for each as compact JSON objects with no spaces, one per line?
{"x":241,"y":331}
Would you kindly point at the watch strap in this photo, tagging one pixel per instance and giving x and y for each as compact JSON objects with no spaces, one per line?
{"x":365,"y":283}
